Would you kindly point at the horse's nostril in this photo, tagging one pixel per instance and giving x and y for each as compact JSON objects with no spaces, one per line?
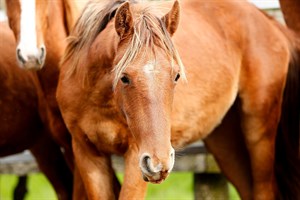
{"x":172,"y":155}
{"x":146,"y":159}
{"x":42,"y":55}
{"x":145,"y":178}
{"x":146,"y":163}
{"x":43,"y":52}
{"x":20,"y":57}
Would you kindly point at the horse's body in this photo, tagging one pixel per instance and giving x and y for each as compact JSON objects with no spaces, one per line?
{"x":50,"y":28}
{"x":54,"y":45}
{"x":117,"y":96}
{"x":291,"y":13}
{"x":23,"y":121}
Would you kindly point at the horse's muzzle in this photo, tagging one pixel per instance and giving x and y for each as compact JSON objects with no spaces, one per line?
{"x":32,"y":61}
{"x":155,"y":173}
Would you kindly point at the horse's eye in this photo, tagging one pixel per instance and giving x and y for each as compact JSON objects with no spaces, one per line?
{"x":177,"y":77}
{"x":125,"y":80}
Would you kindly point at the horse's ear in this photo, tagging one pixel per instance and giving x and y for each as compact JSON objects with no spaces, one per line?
{"x":123,"y":21}
{"x":171,"y":19}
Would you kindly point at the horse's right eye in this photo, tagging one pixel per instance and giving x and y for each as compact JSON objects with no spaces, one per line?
{"x":125,"y":79}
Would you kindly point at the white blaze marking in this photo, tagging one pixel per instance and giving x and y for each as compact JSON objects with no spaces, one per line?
{"x":149,"y":68}
{"x":28,"y":38}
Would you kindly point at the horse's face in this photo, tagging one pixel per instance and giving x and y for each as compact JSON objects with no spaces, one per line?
{"x":144,"y":92}
{"x":26,"y":19}
{"x":145,"y":95}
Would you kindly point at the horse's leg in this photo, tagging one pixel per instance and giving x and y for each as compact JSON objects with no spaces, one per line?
{"x":52,"y":163}
{"x":79,"y":190}
{"x":259,"y":118}
{"x":60,"y":134}
{"x":133,"y":187}
{"x":78,"y":187}
{"x":116,"y":185}
{"x":227,"y":145}
{"x":51,"y":117}
{"x":95,"y":170}
{"x":261,"y":144}
{"x":21,"y":189}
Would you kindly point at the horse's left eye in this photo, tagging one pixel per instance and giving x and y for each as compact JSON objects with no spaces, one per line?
{"x":177,"y":77}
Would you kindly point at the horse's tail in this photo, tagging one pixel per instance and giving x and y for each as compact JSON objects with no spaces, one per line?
{"x":287,"y":157}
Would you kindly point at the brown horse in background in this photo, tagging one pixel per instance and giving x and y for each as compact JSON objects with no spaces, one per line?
{"x":53,"y":21}
{"x":23,"y":123}
{"x":119,"y":92}
{"x":49,"y":28}
{"x":291,"y":13}
{"x":54,"y":44}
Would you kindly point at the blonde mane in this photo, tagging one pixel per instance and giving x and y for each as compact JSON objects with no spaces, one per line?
{"x":92,"y":21}
{"x":149,"y":31}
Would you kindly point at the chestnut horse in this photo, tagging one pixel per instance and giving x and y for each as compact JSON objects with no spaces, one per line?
{"x":119,"y":92}
{"x":23,"y":121}
{"x":291,"y":13}
{"x":52,"y":22}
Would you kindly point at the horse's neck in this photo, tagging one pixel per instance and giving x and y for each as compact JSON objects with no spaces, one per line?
{"x":55,"y":41}
{"x":60,"y":12}
{"x":73,"y":10}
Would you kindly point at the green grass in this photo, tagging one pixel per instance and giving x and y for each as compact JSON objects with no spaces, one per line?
{"x":38,"y":186}
{"x":233,"y":193}
{"x":6,"y":186}
{"x":178,"y":186}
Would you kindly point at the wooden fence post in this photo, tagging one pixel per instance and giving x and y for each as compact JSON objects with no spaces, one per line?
{"x":210,"y":186}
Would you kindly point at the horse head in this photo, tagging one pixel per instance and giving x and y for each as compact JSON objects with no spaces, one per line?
{"x":147,"y":68}
{"x":121,"y":60}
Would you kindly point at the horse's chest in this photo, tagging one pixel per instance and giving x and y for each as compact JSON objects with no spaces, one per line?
{"x":109,"y":136}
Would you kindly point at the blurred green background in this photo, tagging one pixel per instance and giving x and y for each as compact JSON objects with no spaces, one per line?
{"x":178,"y":186}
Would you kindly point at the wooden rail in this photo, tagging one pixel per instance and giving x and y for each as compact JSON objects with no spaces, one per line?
{"x":209,"y":183}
